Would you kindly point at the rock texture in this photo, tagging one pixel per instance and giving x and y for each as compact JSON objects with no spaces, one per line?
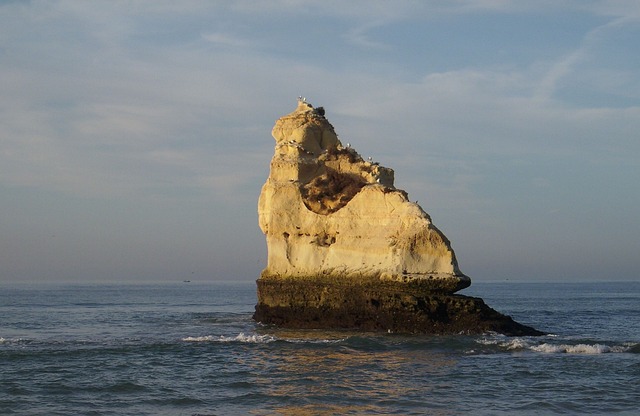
{"x":346,"y":249}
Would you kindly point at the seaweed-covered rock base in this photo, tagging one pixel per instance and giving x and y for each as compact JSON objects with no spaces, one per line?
{"x":376,"y":305}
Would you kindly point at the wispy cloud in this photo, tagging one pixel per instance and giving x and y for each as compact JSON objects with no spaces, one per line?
{"x":225,"y":39}
{"x":568,"y":63}
{"x":360,"y":36}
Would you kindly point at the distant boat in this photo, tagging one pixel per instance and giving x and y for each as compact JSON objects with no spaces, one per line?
{"x":187,"y":281}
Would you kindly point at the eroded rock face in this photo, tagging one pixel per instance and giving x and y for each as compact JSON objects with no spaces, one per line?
{"x":348,"y":250}
{"x":327,"y":211}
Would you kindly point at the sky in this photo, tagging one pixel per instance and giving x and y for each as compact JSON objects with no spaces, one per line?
{"x":135,"y":136}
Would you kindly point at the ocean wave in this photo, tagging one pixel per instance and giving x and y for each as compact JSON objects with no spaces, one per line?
{"x":241,"y":337}
{"x":578,"y":348}
{"x":315,"y":341}
{"x":12,"y":340}
{"x":523,"y":344}
{"x":260,"y":339}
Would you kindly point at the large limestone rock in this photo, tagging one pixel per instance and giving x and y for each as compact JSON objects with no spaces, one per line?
{"x":348,"y":249}
{"x":326,"y":211}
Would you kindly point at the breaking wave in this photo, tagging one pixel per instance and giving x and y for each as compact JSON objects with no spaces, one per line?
{"x":260,"y":339}
{"x":579,"y":348}
{"x":522,"y":344}
{"x":12,"y":340}
{"x":241,"y":337}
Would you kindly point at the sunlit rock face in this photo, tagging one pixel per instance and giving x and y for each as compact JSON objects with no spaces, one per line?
{"x":346,"y":249}
{"x":326,"y":211}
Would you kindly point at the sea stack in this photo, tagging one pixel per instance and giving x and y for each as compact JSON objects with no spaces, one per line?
{"x":348,"y":250}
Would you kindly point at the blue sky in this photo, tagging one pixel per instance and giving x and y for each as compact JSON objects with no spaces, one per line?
{"x":135,"y":135}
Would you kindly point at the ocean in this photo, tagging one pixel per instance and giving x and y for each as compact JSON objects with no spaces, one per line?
{"x":193,"y":349}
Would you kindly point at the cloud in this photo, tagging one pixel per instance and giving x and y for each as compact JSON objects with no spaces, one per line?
{"x":117,"y":114}
{"x":358,"y":36}
{"x":568,"y":64}
{"x":225,"y":39}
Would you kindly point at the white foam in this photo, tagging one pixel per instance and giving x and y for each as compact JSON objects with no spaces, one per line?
{"x":241,"y":337}
{"x":578,"y":348}
{"x":316,"y":341}
{"x":200,"y":339}
{"x":486,"y":341}
{"x":260,"y":339}
{"x":520,"y":344}
{"x":509,"y":344}
{"x":515,"y":344}
{"x":11,"y":340}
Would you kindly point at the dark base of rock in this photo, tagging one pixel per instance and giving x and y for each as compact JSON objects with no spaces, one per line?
{"x":375,"y":305}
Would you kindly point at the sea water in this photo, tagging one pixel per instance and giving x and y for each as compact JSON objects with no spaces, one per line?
{"x":193,"y":349}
